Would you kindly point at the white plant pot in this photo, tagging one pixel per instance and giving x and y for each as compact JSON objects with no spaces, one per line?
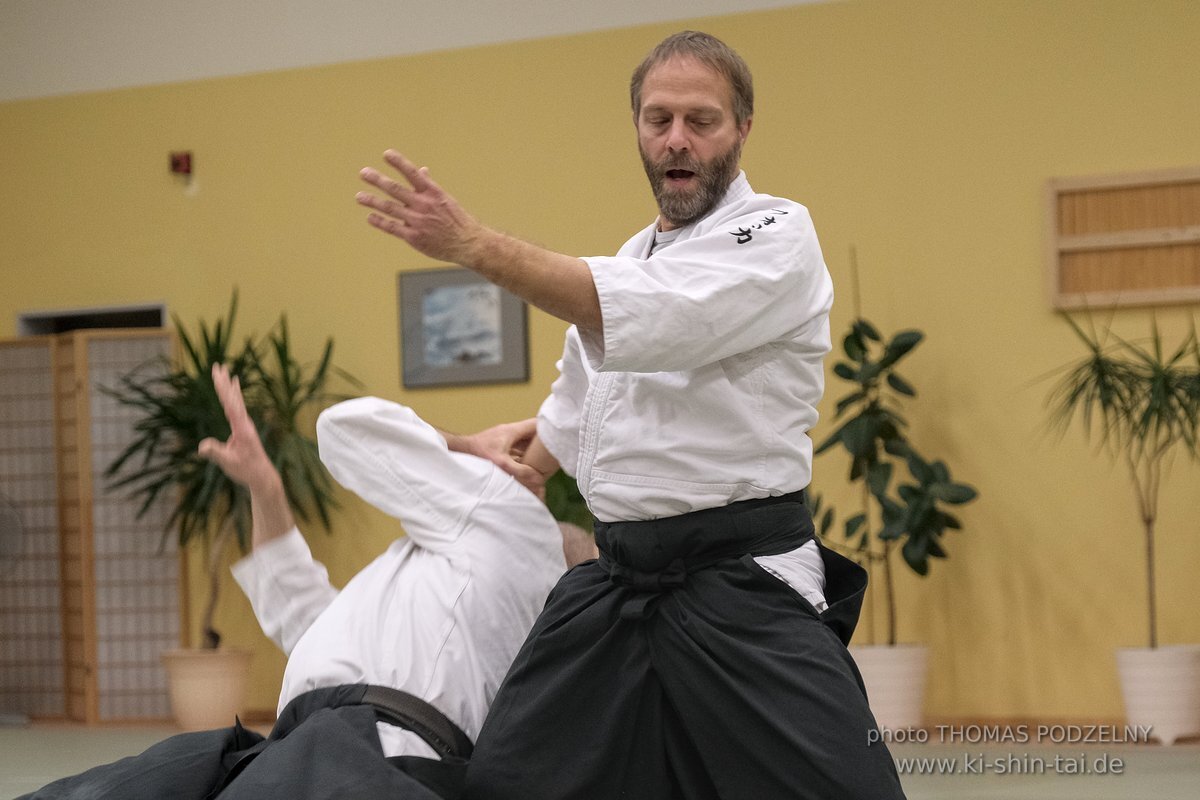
{"x":207,"y":686}
{"x":895,"y":679}
{"x":1161,"y":688}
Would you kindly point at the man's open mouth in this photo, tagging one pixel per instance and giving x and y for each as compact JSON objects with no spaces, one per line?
{"x":679,"y":174}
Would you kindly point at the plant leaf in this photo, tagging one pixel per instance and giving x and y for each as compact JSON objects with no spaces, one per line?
{"x":900,"y":385}
{"x":866,"y":330}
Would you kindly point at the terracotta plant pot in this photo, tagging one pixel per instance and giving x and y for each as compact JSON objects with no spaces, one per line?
{"x":207,"y":686}
{"x":1161,"y":688}
{"x":895,"y":679}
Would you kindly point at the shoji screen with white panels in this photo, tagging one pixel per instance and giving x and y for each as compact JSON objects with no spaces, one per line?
{"x":32,"y":679}
{"x":94,"y":595}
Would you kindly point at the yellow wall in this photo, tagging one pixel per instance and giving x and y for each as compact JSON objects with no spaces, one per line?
{"x":920,"y":131}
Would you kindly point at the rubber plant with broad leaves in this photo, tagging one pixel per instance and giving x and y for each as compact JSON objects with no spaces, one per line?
{"x":905,"y":496}
{"x":565,"y":502}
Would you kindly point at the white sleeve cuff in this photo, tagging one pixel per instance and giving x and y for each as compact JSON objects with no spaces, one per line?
{"x":287,"y":589}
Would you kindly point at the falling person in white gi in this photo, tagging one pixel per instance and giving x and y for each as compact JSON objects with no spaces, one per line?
{"x":704,"y":654}
{"x":439,"y":615}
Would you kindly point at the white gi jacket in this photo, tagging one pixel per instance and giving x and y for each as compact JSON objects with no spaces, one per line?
{"x":709,"y":373}
{"x":442,"y":612}
{"x":706,"y":382}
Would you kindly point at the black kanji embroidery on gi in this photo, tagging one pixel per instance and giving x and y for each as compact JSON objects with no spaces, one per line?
{"x":746,"y":234}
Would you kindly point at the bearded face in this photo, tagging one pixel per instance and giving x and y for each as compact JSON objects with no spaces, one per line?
{"x":687,"y":188}
{"x":689,"y":138}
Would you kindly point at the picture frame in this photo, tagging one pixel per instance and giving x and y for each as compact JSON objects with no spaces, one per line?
{"x":456,"y":329}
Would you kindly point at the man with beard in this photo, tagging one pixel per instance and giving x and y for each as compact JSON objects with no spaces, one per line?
{"x":703,"y":655}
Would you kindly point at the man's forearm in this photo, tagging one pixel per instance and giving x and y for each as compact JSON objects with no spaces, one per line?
{"x":558,"y":284}
{"x":538,"y":457}
{"x":269,"y":509}
{"x":425,"y":216}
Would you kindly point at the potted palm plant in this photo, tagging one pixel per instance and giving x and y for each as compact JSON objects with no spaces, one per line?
{"x":177,"y":407}
{"x":1143,"y":403}
{"x":904,"y":506}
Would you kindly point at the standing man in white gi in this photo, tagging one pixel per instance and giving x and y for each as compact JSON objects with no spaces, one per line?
{"x":703,"y":655}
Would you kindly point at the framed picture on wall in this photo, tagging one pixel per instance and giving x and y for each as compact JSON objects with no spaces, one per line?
{"x":456,"y":328}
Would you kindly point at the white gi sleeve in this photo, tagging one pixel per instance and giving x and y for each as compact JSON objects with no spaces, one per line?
{"x":753,"y":277}
{"x":287,"y":589}
{"x":387,"y":455}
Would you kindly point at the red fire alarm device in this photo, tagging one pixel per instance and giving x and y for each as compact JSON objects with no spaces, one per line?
{"x":181,"y":163}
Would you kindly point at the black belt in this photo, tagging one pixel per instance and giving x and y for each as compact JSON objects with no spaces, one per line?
{"x":414,"y":714}
{"x":390,"y":705}
{"x":652,"y":557}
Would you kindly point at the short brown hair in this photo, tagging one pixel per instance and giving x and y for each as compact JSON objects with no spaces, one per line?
{"x":708,"y":50}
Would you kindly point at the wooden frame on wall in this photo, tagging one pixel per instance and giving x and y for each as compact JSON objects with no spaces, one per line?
{"x":456,"y":328}
{"x":1124,"y":240}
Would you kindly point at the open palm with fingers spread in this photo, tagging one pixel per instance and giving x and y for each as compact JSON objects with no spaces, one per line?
{"x":423,"y":214}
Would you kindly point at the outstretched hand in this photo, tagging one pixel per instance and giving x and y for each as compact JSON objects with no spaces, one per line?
{"x":241,"y":456}
{"x":423,"y":214}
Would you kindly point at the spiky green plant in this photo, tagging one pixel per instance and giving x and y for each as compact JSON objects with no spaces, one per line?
{"x":1143,"y":406}
{"x":177,"y":407}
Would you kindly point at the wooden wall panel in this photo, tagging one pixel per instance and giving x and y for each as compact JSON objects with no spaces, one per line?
{"x":1124,"y":239}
